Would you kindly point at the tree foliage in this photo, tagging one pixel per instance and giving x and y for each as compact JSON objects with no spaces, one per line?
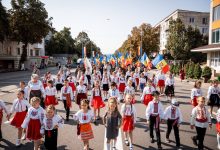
{"x":197,"y":71}
{"x":4,"y":23}
{"x":207,"y":72}
{"x":190,"y":73}
{"x":150,"y":40}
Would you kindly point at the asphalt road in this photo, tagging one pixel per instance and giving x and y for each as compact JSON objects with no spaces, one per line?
{"x":67,"y":137}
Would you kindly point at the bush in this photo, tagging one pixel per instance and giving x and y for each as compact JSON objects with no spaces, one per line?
{"x":190,"y":70}
{"x":186,"y":68}
{"x":218,"y":78}
{"x":177,"y":69}
{"x":197,"y":71}
{"x":207,"y":73}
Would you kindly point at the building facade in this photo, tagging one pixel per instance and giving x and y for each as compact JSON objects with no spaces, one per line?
{"x":10,"y":54}
{"x":213,"y":49}
{"x":195,"y":19}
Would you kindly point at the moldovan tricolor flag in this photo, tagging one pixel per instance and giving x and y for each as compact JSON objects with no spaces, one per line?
{"x":146,"y":61}
{"x":160,"y":63}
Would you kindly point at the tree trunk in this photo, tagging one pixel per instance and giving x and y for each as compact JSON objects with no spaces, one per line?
{"x":24,"y":54}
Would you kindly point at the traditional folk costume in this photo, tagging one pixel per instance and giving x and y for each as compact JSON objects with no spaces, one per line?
{"x":58,"y":83}
{"x":133,"y":81}
{"x":34,"y":123}
{"x":2,"y":107}
{"x":127,"y":75}
{"x":112,"y":120}
{"x":51,"y":133}
{"x":136,"y":76}
{"x":129,"y":115}
{"x":154,"y":113}
{"x":143,"y":82}
{"x":36,"y":90}
{"x":50,"y":98}
{"x":161,"y":80}
{"x":154,"y":82}
{"x":174,"y":117}
{"x":88,"y":76}
{"x":169,"y":89}
{"x":115,"y":79}
{"x":213,"y":96}
{"x":67,"y":97}
{"x":85,"y":80}
{"x":81,"y":93}
{"x":72,"y":83}
{"x":147,"y":94}
{"x":26,"y":92}
{"x":105,"y":83}
{"x":200,"y":117}
{"x":182,"y":74}
{"x":114,"y":93}
{"x":96,"y":99}
{"x":146,"y":75}
{"x":130,"y":90}
{"x":121,"y":84}
{"x":19,"y":107}
{"x":84,"y":128}
{"x":218,"y":127}
{"x":95,"y":77}
{"x":195,"y":93}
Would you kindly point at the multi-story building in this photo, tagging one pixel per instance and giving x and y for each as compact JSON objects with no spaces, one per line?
{"x":195,"y":19}
{"x":10,"y":54}
{"x":213,"y":49}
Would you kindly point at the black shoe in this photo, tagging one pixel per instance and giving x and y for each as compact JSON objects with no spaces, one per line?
{"x":95,"y":123}
{"x":160,"y":147}
{"x":152,"y":140}
{"x":194,"y":141}
{"x":67,"y":119}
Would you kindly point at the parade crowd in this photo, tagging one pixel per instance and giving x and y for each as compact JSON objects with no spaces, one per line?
{"x":113,"y":88}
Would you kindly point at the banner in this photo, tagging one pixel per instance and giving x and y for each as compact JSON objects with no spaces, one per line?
{"x":160,"y":63}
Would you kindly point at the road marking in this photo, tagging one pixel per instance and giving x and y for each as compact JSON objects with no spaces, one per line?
{"x":119,"y":144}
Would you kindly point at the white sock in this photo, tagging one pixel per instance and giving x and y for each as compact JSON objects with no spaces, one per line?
{"x":218,"y":140}
{"x":130,"y":142}
{"x":114,"y":143}
{"x":108,"y":146}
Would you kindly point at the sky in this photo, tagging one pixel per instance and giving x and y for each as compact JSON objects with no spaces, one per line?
{"x":109,"y":22}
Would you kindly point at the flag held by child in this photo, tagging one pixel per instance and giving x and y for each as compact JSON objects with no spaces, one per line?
{"x":160,"y":63}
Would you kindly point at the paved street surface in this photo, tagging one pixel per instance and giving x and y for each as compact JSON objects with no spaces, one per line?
{"x":68,"y":140}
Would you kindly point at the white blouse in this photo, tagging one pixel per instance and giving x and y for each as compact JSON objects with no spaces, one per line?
{"x":105,"y":80}
{"x":161,"y":77}
{"x":213,"y":90}
{"x":50,"y":123}
{"x":50,"y":91}
{"x":65,"y":90}
{"x":128,"y":110}
{"x":143,"y":80}
{"x":136,"y":75}
{"x":129,"y":90}
{"x":147,"y":90}
{"x":36,"y":86}
{"x":169,"y":82}
{"x":3,"y":107}
{"x":95,"y":92}
{"x":81,"y":89}
{"x":151,"y":109}
{"x":19,"y":105}
{"x":84,"y":117}
{"x":172,"y":112}
{"x":196,"y":92}
{"x":59,"y":81}
{"x":121,"y":80}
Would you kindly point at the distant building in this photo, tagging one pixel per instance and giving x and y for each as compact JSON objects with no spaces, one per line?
{"x":193,"y":18}
{"x":10,"y":54}
{"x":213,"y":49}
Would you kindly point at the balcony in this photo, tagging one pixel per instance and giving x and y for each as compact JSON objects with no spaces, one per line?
{"x":38,"y":46}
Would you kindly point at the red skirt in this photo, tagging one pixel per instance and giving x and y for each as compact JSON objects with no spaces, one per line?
{"x":97,"y":102}
{"x":147,"y":99}
{"x":33,"y":130}
{"x":50,"y":100}
{"x":72,"y":85}
{"x":1,"y":116}
{"x":18,"y":119}
{"x":194,"y":101}
{"x":121,"y":87}
{"x":86,"y":132}
{"x":218,"y":127}
{"x":127,"y":124}
{"x":137,"y":81}
{"x":45,"y":85}
{"x":80,"y":96}
{"x":133,"y":101}
{"x":161,"y":83}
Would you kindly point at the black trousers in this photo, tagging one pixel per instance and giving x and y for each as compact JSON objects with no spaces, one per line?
{"x":66,"y":108}
{"x":51,"y":139}
{"x":176,"y":131}
{"x":152,"y":124}
{"x":200,"y":137}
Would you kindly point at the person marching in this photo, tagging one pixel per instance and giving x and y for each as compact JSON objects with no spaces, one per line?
{"x":196,"y":92}
{"x":84,"y":117}
{"x":50,"y":92}
{"x":105,"y":84}
{"x":161,"y":81}
{"x":147,"y":93}
{"x":213,"y":96}
{"x":19,"y":107}
{"x":112,"y":122}
{"x":72,"y":83}
{"x":129,"y":89}
{"x":88,"y":76}
{"x":95,"y":77}
{"x":113,"y":92}
{"x":96,"y":100}
{"x":200,"y":119}
{"x":128,"y":74}
{"x":25,"y":89}
{"x":169,"y":89}
{"x":2,"y":107}
{"x":182,"y":74}
{"x":218,"y":127}
{"x":146,"y":74}
{"x":154,"y":115}
{"x":129,"y":115}
{"x":174,"y":118}
{"x":34,"y":122}
{"x":154,"y":81}
{"x":121,"y":87}
{"x":81,"y":92}
{"x":51,"y":123}
{"x":59,"y":83}
{"x":136,"y":76}
{"x":114,"y":78}
{"x":142,"y":83}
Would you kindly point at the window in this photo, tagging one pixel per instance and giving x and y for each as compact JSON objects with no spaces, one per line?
{"x":216,"y":36}
{"x":215,"y":59}
{"x":204,"y":30}
{"x":18,"y":51}
{"x":191,"y":19}
{"x":31,"y":52}
{"x":37,"y":53}
{"x":204,"y":20}
{"x":216,"y":13}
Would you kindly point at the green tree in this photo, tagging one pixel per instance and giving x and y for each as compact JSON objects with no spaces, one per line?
{"x":177,"y":69}
{"x":187,"y":68}
{"x":190,"y":73}
{"x":4,"y":23}
{"x":207,"y":72}
{"x":197,"y":71}
{"x":172,"y":67}
{"x":29,"y":23}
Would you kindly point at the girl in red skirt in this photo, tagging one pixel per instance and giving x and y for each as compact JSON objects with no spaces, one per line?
{"x":50,"y":92}
{"x":96,"y":100}
{"x":84,"y":117}
{"x":19,"y":108}
{"x":81,"y":92}
{"x":147,"y":93}
{"x":196,"y":92}
{"x":137,"y":78}
{"x":72,"y":83}
{"x":129,"y":89}
{"x":122,"y":85}
{"x":128,"y":113}
{"x":2,"y":107}
{"x":33,"y":122}
{"x":161,"y":82}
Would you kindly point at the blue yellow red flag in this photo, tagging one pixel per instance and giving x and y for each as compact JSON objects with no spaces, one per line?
{"x":160,"y":63}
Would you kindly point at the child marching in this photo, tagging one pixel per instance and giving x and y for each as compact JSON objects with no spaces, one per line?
{"x":113,"y":92}
{"x":129,"y":89}
{"x":2,"y":108}
{"x":169,"y":89}
{"x":19,"y":108}
{"x":50,"y":92}
{"x":112,"y":122}
{"x":218,"y":127}
{"x":84,"y":117}
{"x":81,"y":92}
{"x":196,"y":92}
{"x":142,"y":82}
{"x":154,"y":115}
{"x":51,"y":123}
{"x":161,"y":81}
{"x":105,"y":85}
{"x":147,"y":93}
{"x":129,"y":115}
{"x":174,"y":117}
